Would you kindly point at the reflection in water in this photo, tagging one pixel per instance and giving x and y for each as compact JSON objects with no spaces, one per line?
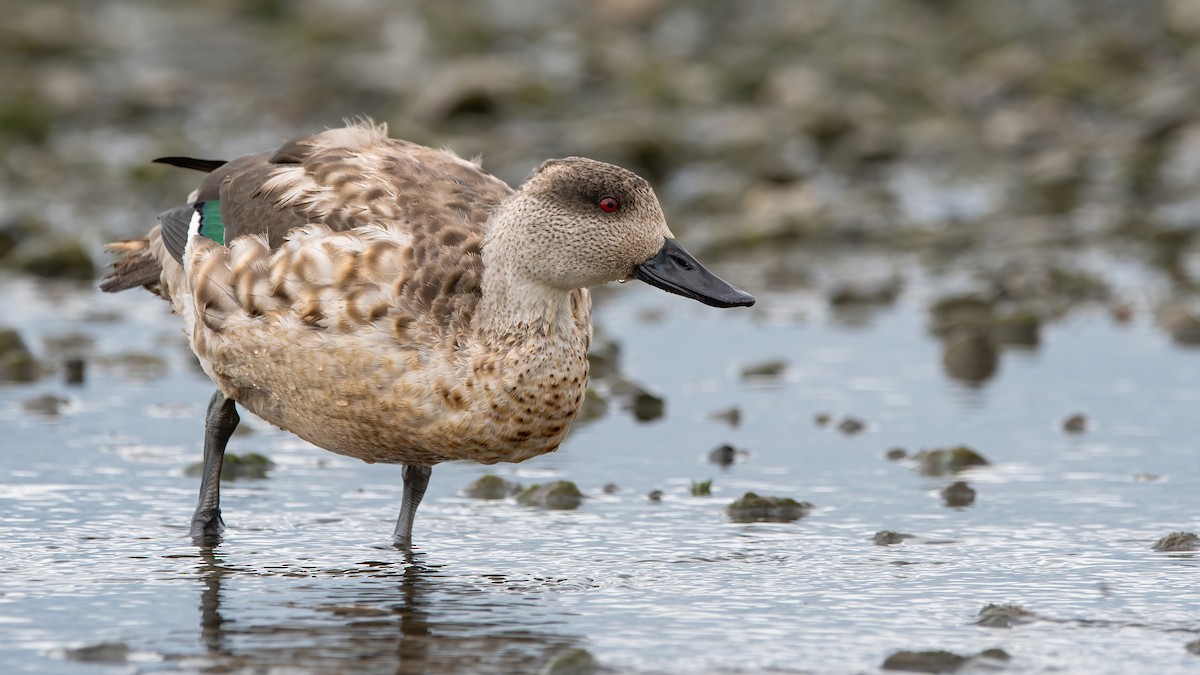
{"x":401,"y":617}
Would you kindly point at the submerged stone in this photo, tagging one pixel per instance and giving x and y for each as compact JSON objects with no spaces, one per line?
{"x":64,"y":260}
{"x":958,"y":494}
{"x":702,"y":488}
{"x":248,"y":466}
{"x":970,"y":356}
{"x":752,"y":508}
{"x":594,"y":407}
{"x":491,"y":487}
{"x":104,"y":652}
{"x":577,"y":661}
{"x":822,"y":419}
{"x":1178,"y":541}
{"x":1075,"y":424}
{"x":646,"y":406}
{"x":47,"y":404}
{"x":851,"y":426}
{"x":942,"y":461}
{"x":16,"y":361}
{"x":723,"y":455}
{"x":731,"y":416}
{"x":655,"y":496}
{"x":1004,"y":616}
{"x":925,"y":662}
{"x":889,"y":538}
{"x":896,"y":454}
{"x":765,"y":369}
{"x":560,"y":495}
{"x":1193,"y":647}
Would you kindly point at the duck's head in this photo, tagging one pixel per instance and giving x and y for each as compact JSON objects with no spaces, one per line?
{"x":577,"y":223}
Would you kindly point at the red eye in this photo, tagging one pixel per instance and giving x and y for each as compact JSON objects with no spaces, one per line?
{"x":609,"y":204}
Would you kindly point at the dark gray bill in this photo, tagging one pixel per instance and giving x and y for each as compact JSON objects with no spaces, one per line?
{"x":675,"y":271}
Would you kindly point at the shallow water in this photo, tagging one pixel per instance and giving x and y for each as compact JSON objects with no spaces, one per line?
{"x":94,"y":504}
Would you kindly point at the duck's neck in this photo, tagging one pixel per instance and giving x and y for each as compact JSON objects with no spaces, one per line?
{"x":514,"y":304}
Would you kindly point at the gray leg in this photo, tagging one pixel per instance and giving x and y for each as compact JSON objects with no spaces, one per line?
{"x":219,"y":423}
{"x":416,"y":479}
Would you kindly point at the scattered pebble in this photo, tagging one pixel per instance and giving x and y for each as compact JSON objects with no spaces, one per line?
{"x":560,"y":495}
{"x":940,"y":462}
{"x":851,"y":426}
{"x":576,"y":661}
{"x":104,"y":652}
{"x":646,"y":406}
{"x":655,"y":496}
{"x":925,"y":662}
{"x":896,"y":454}
{"x":74,"y":371}
{"x":702,"y":488}
{"x":489,"y":486}
{"x":249,"y":466}
{"x":16,"y":361}
{"x":731,"y":416}
{"x":47,"y":404}
{"x":752,"y":508}
{"x":822,"y":419}
{"x":958,"y":494}
{"x":889,"y":538}
{"x":970,"y":355}
{"x":610,"y":489}
{"x":593,"y":408}
{"x":1178,"y":541}
{"x":1075,"y":424}
{"x":724,"y":455}
{"x":765,"y":369}
{"x":1004,"y":616}
{"x":60,"y":260}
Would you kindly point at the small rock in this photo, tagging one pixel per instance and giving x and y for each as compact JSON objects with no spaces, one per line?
{"x":765,"y":369}
{"x":970,"y":355}
{"x":724,"y":455}
{"x":64,"y":260}
{"x":702,"y":488}
{"x":647,"y":407}
{"x":16,"y":361}
{"x":48,"y":405}
{"x":889,"y":538}
{"x":958,"y":494}
{"x":943,"y":461}
{"x":490,"y":486}
{"x":822,"y":419}
{"x":594,"y":407}
{"x":1020,"y":330}
{"x":604,"y":359}
{"x":250,"y":466}
{"x":925,"y":662}
{"x":851,"y":426}
{"x":105,"y":652}
{"x":896,"y":454}
{"x":655,"y":496}
{"x":752,"y":508}
{"x":560,"y":495}
{"x":1075,"y":424}
{"x":731,"y":416}
{"x":74,"y":371}
{"x":575,"y":661}
{"x":880,"y":293}
{"x":1193,"y":647}
{"x":610,"y":489}
{"x":1178,"y":541}
{"x":1004,"y":616}
{"x":136,"y":365}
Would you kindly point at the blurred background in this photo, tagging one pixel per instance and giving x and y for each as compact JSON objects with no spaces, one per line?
{"x":1001,"y":141}
{"x":971,"y":227}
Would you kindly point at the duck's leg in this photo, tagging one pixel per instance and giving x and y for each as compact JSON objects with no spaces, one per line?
{"x":416,"y":479}
{"x":219,"y":423}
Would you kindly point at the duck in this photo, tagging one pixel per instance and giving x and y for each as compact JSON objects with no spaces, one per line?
{"x":396,"y":303}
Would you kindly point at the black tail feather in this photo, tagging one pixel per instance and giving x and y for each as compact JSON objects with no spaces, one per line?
{"x":205,"y":165}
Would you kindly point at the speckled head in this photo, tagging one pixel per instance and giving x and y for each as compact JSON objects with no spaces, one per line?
{"x":578,"y":223}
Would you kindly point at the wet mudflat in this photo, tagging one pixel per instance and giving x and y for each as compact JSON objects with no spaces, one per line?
{"x":97,"y":573}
